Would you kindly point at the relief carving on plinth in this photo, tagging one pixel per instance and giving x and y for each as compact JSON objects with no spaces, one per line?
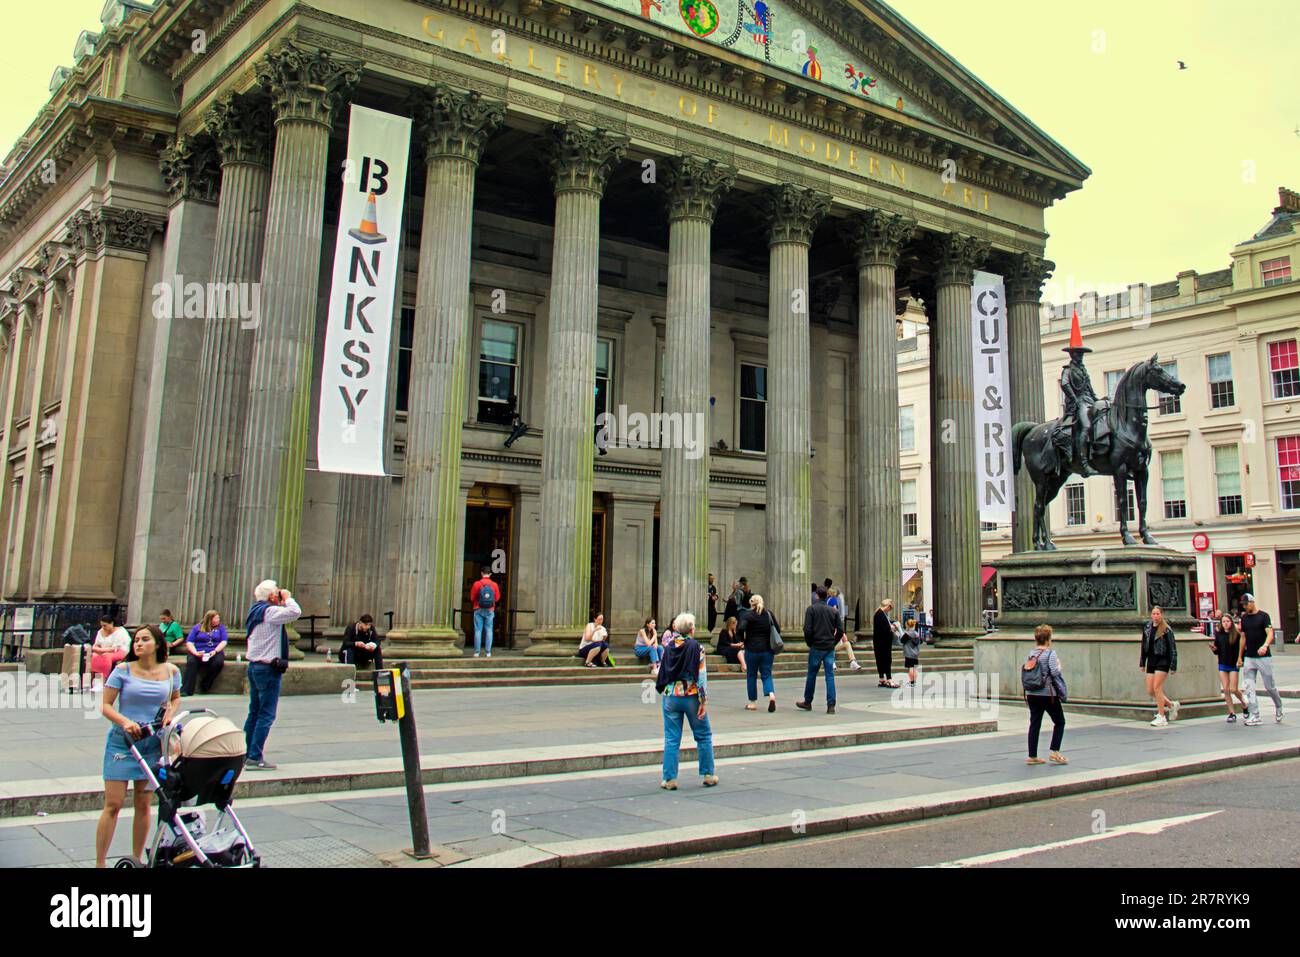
{"x":695,"y":187}
{"x":455,"y":123}
{"x":581,"y":158}
{"x":793,"y":213}
{"x":305,"y":84}
{"x":1070,"y":593}
{"x":1167,"y":591}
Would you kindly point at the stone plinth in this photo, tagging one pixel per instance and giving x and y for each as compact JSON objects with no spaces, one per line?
{"x":1097,"y":602}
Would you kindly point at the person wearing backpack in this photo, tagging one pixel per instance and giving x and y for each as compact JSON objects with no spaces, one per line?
{"x":1044,"y":688}
{"x":760,"y":631}
{"x":484,"y":597}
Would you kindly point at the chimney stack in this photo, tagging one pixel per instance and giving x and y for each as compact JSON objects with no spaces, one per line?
{"x":1288,"y":200}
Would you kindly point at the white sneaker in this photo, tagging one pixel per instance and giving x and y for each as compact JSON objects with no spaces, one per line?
{"x":476,"y":654}
{"x":854,"y":666}
{"x":488,"y":655}
{"x":1159,"y":721}
{"x":1278,"y":717}
{"x":1173,"y":710}
{"x":1253,"y":721}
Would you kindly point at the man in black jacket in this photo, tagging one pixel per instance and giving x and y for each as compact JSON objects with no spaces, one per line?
{"x":821,"y":630}
{"x":361,"y":644}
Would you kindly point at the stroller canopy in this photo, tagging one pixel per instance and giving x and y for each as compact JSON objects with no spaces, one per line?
{"x":210,"y":736}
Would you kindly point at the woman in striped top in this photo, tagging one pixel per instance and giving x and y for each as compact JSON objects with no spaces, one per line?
{"x":1047,"y":700}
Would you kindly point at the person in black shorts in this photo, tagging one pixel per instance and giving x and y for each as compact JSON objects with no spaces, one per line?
{"x":1159,"y":657}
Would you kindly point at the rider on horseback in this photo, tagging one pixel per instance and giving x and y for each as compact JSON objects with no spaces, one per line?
{"x":1079,"y":398}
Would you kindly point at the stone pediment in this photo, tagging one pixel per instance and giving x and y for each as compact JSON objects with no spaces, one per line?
{"x":858,"y":52}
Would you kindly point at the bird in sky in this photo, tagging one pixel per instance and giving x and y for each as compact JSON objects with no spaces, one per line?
{"x":1182,"y":65}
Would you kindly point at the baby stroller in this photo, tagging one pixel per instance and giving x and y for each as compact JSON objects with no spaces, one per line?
{"x":202,"y":755}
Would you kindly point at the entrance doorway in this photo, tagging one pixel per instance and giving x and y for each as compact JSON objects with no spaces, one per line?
{"x":1288,"y":594}
{"x":489,"y":533}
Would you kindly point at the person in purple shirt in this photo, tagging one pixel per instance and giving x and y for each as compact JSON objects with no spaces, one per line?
{"x":205,"y":654}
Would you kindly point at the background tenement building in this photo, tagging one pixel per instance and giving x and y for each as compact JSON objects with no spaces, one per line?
{"x":1225,"y":475}
{"x":612,"y":205}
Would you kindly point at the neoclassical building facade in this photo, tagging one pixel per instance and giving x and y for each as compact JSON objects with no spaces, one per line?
{"x":613,"y":207}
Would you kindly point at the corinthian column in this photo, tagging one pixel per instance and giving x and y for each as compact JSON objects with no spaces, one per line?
{"x":306,"y":87}
{"x":952,"y":442}
{"x":581,"y":160}
{"x":454,"y":126}
{"x":793,"y":214}
{"x":1024,"y":302}
{"x":241,"y":128}
{"x":878,"y":238}
{"x":694,"y":189}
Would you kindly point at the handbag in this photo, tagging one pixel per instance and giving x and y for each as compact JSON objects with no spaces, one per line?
{"x":281,"y":664}
{"x":774,"y":636}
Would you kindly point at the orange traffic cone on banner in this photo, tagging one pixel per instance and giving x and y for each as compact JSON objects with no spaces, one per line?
{"x":368,"y":232}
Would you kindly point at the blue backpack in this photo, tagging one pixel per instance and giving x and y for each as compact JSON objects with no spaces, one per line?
{"x":487,"y":595}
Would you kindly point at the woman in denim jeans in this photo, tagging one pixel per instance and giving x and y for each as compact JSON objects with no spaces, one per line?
{"x":683,"y":683}
{"x":756,"y":628}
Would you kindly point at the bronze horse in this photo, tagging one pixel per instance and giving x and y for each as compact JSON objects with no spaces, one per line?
{"x":1120,"y":449}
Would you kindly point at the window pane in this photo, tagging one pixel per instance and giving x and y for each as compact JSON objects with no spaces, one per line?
{"x":753,"y":382}
{"x":1075,"y":513}
{"x":405,"y":336}
{"x":1112,"y":382}
{"x":1227,"y":477}
{"x":908,"y":494}
{"x":1288,"y":464}
{"x":1275,"y":271}
{"x":602,"y":357}
{"x":1170,"y":404}
{"x":1284,"y":368}
{"x":753,"y":423}
{"x":500,"y":341}
{"x":907,"y":428}
{"x":1220,"y":367}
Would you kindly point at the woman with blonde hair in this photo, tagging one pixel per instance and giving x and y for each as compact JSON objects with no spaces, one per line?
{"x":731,"y":645}
{"x":756,"y":629}
{"x":1159,"y":657}
{"x":205,"y":654}
{"x":882,"y":643}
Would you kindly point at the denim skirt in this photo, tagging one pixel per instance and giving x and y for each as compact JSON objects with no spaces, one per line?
{"x":120,"y":764}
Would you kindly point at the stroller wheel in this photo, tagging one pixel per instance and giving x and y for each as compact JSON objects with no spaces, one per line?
{"x":126,"y":864}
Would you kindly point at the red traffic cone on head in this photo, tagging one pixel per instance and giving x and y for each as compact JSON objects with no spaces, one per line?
{"x":368,"y":232}
{"x":1076,"y":336}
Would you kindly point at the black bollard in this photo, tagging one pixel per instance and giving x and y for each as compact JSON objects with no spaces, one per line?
{"x":393,"y":702}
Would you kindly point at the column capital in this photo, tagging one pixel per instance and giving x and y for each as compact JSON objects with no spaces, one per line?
{"x":189,"y":166}
{"x":1026,"y":277}
{"x":240,"y":127}
{"x":959,"y":256}
{"x":877,"y":237}
{"x":695,"y":187}
{"x":581,"y":158}
{"x":454,"y":123}
{"x":306,"y":84}
{"x":792,"y":213}
{"x":94,"y":230}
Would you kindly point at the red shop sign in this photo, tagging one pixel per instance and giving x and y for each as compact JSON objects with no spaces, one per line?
{"x":1200,"y":541}
{"x":1250,"y":559}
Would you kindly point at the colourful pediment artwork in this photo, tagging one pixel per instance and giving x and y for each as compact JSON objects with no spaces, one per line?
{"x":768,"y":31}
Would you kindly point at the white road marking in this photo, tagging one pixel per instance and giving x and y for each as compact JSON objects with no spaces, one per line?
{"x":1142,"y":827}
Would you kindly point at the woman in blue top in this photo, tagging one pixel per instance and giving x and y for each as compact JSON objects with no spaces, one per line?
{"x":205,"y":654}
{"x":134,"y":692}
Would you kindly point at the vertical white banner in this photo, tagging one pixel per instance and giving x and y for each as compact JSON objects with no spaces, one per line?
{"x":996,"y":483}
{"x":354,"y":375}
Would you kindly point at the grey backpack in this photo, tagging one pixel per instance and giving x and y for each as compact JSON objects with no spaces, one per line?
{"x":1035,"y":676}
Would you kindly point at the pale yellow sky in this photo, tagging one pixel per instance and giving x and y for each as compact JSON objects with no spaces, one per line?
{"x":1185,"y":162}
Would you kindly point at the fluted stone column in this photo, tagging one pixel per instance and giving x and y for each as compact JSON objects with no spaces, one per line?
{"x":306,"y":89}
{"x":956,"y":551}
{"x":454,"y":127}
{"x":581,"y":160}
{"x":694,"y":188}
{"x":1024,"y":303}
{"x":241,"y":127}
{"x":793,"y":214}
{"x":877,"y":239}
{"x":357,"y":586}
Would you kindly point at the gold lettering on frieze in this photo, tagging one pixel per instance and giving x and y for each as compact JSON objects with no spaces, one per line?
{"x":532,"y":62}
{"x":561,"y":64}
{"x":853,"y":158}
{"x":807,"y":144}
{"x":986,"y":202}
{"x":967,"y":196}
{"x":618,"y":86}
{"x":783,"y":139}
{"x":686,"y":104}
{"x":712,"y":114}
{"x":832,"y":157}
{"x":898,"y":171}
{"x":589,"y":77}
{"x":428,"y":29}
{"x":873,"y":166}
{"x":471,"y":36}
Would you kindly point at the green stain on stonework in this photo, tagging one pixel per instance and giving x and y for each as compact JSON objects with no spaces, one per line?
{"x":803,"y":506}
{"x":445,"y":553}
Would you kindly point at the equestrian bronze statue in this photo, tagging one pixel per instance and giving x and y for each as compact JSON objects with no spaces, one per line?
{"x":1106,"y":436}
